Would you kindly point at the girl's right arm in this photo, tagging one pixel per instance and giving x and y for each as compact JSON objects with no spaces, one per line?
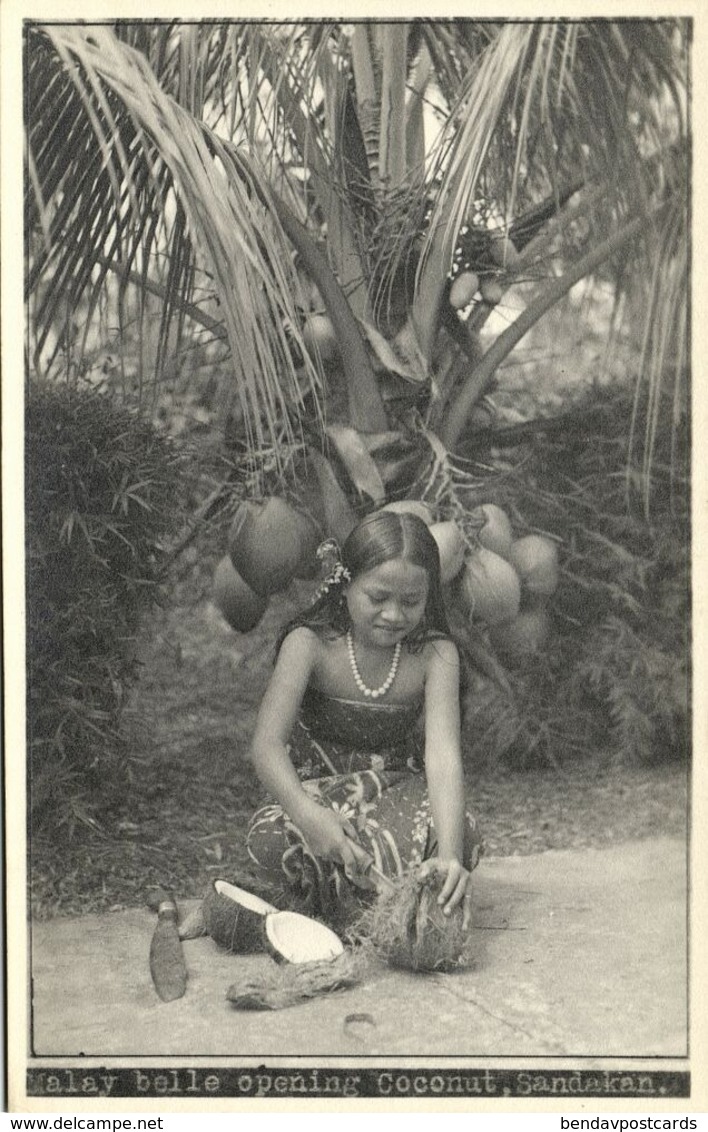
{"x":277,"y":716}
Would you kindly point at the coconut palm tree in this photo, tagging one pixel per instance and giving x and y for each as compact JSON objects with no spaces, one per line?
{"x":309,"y":194}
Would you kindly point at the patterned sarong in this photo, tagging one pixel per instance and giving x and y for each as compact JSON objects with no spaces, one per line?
{"x":379,"y":791}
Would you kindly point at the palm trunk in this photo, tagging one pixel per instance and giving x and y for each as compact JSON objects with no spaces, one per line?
{"x":366,"y":407}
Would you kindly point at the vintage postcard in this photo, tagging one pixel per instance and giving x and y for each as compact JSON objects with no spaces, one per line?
{"x":353,"y":538}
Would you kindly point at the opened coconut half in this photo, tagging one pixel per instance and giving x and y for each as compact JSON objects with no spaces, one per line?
{"x":293,"y":938}
{"x":243,"y":923}
{"x":234,"y":918}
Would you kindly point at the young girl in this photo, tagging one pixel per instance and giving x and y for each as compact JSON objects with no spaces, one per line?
{"x":338,"y":741}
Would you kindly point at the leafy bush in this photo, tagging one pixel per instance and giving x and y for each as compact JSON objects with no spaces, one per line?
{"x":102,"y":487}
{"x":615,"y":675}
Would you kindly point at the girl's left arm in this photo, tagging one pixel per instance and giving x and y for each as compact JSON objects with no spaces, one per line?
{"x":445,"y":778}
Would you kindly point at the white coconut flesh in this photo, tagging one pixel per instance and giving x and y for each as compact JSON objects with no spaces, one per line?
{"x":244,"y":899}
{"x":294,"y":938}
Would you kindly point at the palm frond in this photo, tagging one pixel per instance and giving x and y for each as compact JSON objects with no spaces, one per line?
{"x":220,"y":218}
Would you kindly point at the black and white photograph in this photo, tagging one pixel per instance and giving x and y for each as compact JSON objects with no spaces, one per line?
{"x":349,"y":558}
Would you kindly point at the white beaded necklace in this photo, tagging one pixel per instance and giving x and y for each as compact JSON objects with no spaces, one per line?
{"x":373,"y":693}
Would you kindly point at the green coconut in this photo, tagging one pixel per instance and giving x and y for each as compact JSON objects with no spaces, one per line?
{"x":518,"y":641}
{"x":463,"y":290}
{"x":235,"y":600}
{"x":535,"y":558}
{"x":451,"y":548}
{"x":495,"y":532}
{"x":266,"y":543}
{"x":491,"y":589}
{"x":411,"y":507}
{"x":407,"y":928}
{"x":491,"y":291}
{"x":319,"y":337}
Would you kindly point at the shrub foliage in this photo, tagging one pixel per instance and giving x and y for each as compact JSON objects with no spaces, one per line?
{"x":615,"y":674}
{"x":102,"y":488}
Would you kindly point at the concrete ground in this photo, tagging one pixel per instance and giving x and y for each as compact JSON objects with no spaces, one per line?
{"x":579,"y":953}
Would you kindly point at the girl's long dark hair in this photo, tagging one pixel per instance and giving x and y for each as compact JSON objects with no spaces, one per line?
{"x":381,"y":537}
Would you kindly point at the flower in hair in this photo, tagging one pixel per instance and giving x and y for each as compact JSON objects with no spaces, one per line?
{"x":329,"y":554}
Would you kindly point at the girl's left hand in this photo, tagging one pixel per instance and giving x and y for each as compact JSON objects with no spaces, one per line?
{"x":456,"y":888}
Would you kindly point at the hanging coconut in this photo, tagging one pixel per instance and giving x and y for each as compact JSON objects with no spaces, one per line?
{"x":503,"y":251}
{"x":491,"y":589}
{"x":319,"y":337}
{"x":535,"y":558}
{"x":266,"y":543}
{"x":451,"y":547}
{"x":463,"y":290}
{"x":491,"y":291}
{"x":309,"y":564}
{"x":411,"y":507}
{"x":495,"y":533}
{"x":407,"y":927}
{"x":235,"y":600}
{"x":518,"y":641}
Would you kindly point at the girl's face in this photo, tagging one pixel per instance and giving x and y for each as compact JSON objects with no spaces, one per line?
{"x":385,"y":604}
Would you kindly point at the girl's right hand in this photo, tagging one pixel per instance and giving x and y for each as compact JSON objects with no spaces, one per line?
{"x":326,"y":835}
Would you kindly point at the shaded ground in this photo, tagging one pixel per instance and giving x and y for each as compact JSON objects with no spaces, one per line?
{"x":182,"y":820}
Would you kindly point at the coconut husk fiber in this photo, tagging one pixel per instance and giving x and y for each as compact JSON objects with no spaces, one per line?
{"x":407,"y":928}
{"x":281,"y":986}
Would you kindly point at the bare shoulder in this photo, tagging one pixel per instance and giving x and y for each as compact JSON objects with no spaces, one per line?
{"x":442,"y":651}
{"x":301,"y":644}
{"x":442,"y":659}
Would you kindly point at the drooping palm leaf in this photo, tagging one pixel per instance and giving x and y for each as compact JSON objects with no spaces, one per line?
{"x":588,"y":98}
{"x":239,"y":240}
{"x":531,"y":111}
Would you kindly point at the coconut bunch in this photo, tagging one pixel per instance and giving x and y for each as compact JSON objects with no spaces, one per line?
{"x":506,"y":584}
{"x":447,"y":534}
{"x":503,"y":583}
{"x":407,"y":928}
{"x":479,"y":275}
